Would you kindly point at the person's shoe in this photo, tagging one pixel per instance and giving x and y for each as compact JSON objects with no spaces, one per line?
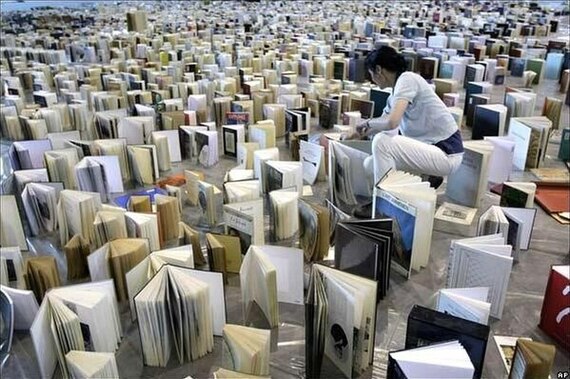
{"x":435,"y":181}
{"x":363,"y":211}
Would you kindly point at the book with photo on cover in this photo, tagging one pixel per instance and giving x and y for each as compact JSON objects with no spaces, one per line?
{"x":232,"y":135}
{"x":207,"y":147}
{"x":210,"y":199}
{"x":364,"y":248}
{"x":283,"y":174}
{"x":426,"y":327}
{"x":312,"y":157}
{"x":340,"y":313}
{"x":411,"y":204}
{"x":245,"y":220}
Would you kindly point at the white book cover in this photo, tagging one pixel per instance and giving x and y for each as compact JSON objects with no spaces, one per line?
{"x":173,"y":143}
{"x":289,"y":264}
{"x":468,"y":303}
{"x":312,"y":157}
{"x":520,"y":135}
{"x":25,"y":307}
{"x":501,"y":163}
{"x":58,"y":140}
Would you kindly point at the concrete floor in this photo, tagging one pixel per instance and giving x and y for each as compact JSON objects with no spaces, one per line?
{"x":549,"y":245}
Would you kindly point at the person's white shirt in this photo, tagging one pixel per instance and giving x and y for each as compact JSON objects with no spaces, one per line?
{"x":426,"y":117}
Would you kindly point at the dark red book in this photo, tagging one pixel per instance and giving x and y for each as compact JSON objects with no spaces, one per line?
{"x":555,"y":314}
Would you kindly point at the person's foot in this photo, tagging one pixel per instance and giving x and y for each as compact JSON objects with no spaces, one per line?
{"x":435,"y":181}
{"x":363,"y":211}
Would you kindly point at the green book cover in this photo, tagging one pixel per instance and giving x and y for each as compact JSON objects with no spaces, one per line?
{"x":564,"y":151}
{"x":536,"y":66}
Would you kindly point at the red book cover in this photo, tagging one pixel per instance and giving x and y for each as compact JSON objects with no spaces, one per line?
{"x":555,"y":315}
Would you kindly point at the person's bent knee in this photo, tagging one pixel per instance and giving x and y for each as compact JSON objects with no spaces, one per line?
{"x":381,"y":141}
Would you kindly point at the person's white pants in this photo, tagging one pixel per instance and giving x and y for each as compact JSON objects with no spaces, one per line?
{"x":393,"y":151}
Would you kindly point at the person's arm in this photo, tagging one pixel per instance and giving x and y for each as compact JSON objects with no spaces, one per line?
{"x":386,"y":122}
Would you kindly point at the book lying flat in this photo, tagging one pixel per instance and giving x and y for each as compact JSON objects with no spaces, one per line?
{"x":161,"y":305}
{"x":468,"y":303}
{"x":440,"y":360}
{"x":333,"y":329}
{"x":427,"y":327}
{"x":482,"y":262}
{"x":79,"y":317}
{"x":313,"y":227}
{"x":258,"y":278}
{"x":364,"y":248}
{"x":246,"y":350}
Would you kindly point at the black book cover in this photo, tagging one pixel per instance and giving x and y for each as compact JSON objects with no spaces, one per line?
{"x":380,"y":99}
{"x":485,"y":122}
{"x":513,"y":197}
{"x":230,"y":142}
{"x":426,"y":327}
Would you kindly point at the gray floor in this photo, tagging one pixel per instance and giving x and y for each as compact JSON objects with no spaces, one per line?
{"x":550,"y":245}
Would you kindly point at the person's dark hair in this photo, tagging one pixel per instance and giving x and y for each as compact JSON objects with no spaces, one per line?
{"x":388,"y":58}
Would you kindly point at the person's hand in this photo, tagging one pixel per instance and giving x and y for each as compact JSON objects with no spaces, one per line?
{"x":362,"y":126}
{"x":353,"y":136}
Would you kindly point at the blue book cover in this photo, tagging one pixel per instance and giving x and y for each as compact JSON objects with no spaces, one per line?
{"x":404,"y":216}
{"x":517,"y":67}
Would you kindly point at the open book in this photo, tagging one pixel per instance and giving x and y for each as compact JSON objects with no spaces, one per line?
{"x":411,"y":204}
{"x":466,"y":186}
{"x":100,"y":174}
{"x":25,"y":306}
{"x":232,"y":135}
{"x":109,"y":225}
{"x":242,"y":190}
{"x":468,"y":303}
{"x":246,"y":350}
{"x":515,"y":224}
{"x":340,"y":313}
{"x":364,"y":248}
{"x":440,"y":360}
{"x":518,"y":194}
{"x":12,"y":267}
{"x":11,"y":229}
{"x":190,"y":236}
{"x":245,"y":220}
{"x":312,"y":157}
{"x":210,"y":199}
{"x":114,"y":259}
{"x":224,"y":253}
{"x":144,"y":225}
{"x":207,"y":147}
{"x":161,"y":308}
{"x":481,"y":262}
{"x":89,"y":364}
{"x":137,"y":277}
{"x":284,"y":212}
{"x":60,"y":165}
{"x":349,"y":183}
{"x":144,"y":163}
{"x":283,"y":174}
{"x":40,"y":205}
{"x":258,"y":277}
{"x":427,"y":327}
{"x":532,"y":360}
{"x":82,"y":317}
{"x":313,"y":230}
{"x":76,"y":212}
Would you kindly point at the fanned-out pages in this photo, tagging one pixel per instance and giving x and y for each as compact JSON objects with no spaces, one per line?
{"x":468,"y":303}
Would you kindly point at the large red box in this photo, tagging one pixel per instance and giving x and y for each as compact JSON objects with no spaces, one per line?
{"x":555,"y":314}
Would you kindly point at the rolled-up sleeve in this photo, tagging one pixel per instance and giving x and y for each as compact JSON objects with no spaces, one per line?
{"x":406,"y":88}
